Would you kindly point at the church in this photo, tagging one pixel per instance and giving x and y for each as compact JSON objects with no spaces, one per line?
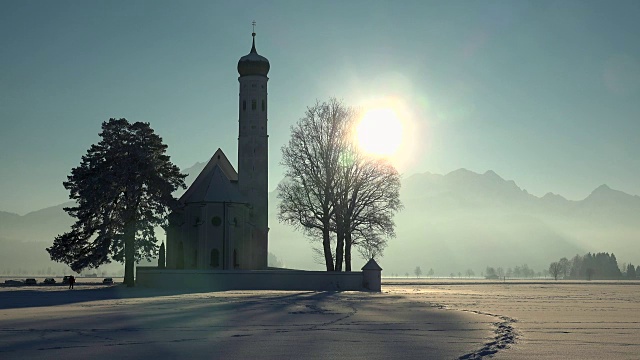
{"x":222,"y":220}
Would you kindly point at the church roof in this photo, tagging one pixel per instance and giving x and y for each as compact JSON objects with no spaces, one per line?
{"x":253,"y":63}
{"x":217,"y":182}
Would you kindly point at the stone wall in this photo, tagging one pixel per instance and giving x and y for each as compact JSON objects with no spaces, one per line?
{"x":220,"y":280}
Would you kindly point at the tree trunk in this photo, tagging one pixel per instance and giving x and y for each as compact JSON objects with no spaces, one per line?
{"x":326,"y":243}
{"x":339,"y":249}
{"x":347,"y":251}
{"x":129,"y":253}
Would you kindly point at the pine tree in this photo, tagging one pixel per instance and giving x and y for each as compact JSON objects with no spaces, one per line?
{"x":123,"y":189}
{"x":161,"y":257}
{"x":631,"y":272}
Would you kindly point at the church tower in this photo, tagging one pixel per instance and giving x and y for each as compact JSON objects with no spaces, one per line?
{"x":253,"y":145}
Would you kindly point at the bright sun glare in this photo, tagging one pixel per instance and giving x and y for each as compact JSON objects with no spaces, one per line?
{"x":380,"y":132}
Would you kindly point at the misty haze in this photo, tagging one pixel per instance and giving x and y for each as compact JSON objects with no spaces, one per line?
{"x":313,"y":180}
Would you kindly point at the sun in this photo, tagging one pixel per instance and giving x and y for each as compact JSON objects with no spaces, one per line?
{"x":380,"y":132}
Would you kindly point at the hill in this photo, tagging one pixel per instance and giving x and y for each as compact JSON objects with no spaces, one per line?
{"x":450,"y":223}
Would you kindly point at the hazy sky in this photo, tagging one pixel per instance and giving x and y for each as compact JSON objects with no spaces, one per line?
{"x":546,"y":93}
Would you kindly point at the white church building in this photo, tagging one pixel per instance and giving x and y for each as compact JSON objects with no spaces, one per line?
{"x":218,"y":238}
{"x":222,"y":223}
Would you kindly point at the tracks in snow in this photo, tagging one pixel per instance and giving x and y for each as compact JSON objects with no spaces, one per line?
{"x":505,"y":335}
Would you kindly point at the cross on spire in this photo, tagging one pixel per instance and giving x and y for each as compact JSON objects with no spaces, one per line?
{"x":253,"y":45}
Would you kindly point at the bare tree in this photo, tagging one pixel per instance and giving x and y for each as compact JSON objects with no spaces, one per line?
{"x":555,"y":269}
{"x":565,"y":264}
{"x":311,"y":159}
{"x":470,"y":273}
{"x":370,"y":247}
{"x":367,"y":203}
{"x":367,"y":197}
{"x":332,"y":187}
{"x":417,"y":271}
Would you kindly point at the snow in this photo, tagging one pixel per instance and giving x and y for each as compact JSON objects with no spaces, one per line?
{"x":120,"y":323}
{"x":550,"y":320}
{"x":409,"y":320}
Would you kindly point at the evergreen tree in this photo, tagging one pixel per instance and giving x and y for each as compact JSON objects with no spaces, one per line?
{"x":595,"y":266}
{"x":631,"y":272}
{"x":123,"y":189}
{"x":161,"y":257}
{"x":565,"y":265}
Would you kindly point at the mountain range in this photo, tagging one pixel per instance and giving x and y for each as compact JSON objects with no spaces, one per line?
{"x":453,"y":222}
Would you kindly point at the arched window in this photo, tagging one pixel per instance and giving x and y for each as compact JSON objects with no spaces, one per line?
{"x":215,"y":258}
{"x":253,"y":104}
{"x":244,"y":104}
{"x":263,"y":107}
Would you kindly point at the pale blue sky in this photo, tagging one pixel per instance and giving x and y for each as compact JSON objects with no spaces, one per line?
{"x":546,"y":93}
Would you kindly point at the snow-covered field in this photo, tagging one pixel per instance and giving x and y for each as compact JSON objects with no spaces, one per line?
{"x":408,"y":320}
{"x":551,"y":320}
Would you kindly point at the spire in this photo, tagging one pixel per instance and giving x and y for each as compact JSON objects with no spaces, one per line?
{"x":253,"y":34}
{"x":253,"y":63}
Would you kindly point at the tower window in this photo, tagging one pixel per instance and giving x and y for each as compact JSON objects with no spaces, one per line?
{"x":263,"y":105}
{"x":244,"y":105}
{"x":253,"y":104}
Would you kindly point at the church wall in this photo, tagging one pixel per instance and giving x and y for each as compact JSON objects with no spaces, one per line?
{"x":211,"y":237}
{"x":172,"y":237}
{"x":250,"y":280}
{"x":247,"y":254}
{"x":190,"y":232}
{"x":240,"y":236}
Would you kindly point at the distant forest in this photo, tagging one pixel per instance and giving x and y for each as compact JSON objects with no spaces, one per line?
{"x":597,"y":266}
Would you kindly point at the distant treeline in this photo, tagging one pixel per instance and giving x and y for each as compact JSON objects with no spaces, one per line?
{"x":517,"y":272}
{"x":597,"y":266}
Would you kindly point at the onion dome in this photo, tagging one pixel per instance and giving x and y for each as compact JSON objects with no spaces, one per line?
{"x":253,"y":64}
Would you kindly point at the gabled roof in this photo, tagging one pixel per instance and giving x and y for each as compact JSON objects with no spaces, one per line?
{"x":371,"y":265}
{"x":217,"y":182}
